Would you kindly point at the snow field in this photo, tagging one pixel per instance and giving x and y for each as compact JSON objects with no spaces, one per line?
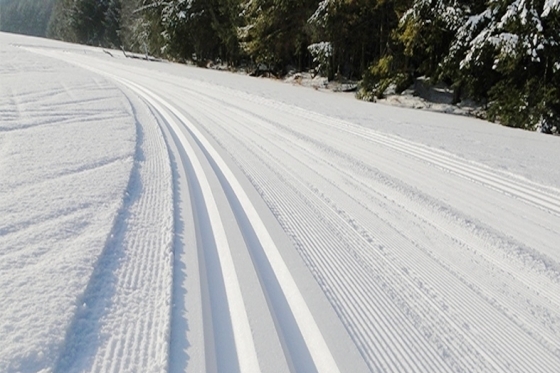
{"x":422,"y":247}
{"x":124,"y":325}
{"x":477,"y":350}
{"x":444,"y":315}
{"x":61,"y":132}
{"x":86,"y":232}
{"x":320,"y":358}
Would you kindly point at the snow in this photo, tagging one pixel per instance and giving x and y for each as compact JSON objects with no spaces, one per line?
{"x":495,"y":34}
{"x":323,"y":48}
{"x":322,"y":53}
{"x":549,"y":6}
{"x":451,"y":13}
{"x":159,"y":217}
{"x":61,"y":133}
{"x":69,"y":149}
{"x":321,"y":13}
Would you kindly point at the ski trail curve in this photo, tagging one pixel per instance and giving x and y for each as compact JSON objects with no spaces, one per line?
{"x":322,"y":357}
{"x":247,"y":356}
{"x":248,"y":360}
{"x":254,"y":132}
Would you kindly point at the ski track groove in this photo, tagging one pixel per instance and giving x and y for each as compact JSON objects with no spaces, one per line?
{"x":311,"y":244}
{"x":247,"y":356}
{"x":429,"y":272}
{"x":359,"y":312}
{"x":361,"y":294}
{"x":428,"y":253}
{"x":344,"y":126}
{"x":541,"y":186}
{"x":239,"y":122}
{"x":432,"y":155}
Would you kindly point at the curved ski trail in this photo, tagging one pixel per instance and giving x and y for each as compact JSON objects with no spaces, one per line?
{"x":247,"y":355}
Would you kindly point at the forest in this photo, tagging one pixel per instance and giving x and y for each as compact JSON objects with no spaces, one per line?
{"x":30,"y":17}
{"x":503,"y":54}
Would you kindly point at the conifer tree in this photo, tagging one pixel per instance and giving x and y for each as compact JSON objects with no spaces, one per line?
{"x":276,"y":32}
{"x":201,"y":29}
{"x":508,"y":53}
{"x":94,"y":22}
{"x":359,"y":31}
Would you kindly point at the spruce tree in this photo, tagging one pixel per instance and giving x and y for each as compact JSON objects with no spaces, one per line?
{"x":276,"y":32}
{"x":509,"y":55}
{"x":359,"y":31}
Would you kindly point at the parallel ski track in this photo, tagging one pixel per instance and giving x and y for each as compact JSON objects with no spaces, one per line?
{"x":497,"y":260}
{"x":317,"y":156}
{"x":547,"y":198}
{"x":276,"y":163}
{"x":378,"y":357}
{"x":550,"y":196}
{"x":466,"y":278}
{"x":247,"y":355}
{"x":248,"y":361}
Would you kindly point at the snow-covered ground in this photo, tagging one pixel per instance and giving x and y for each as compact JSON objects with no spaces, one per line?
{"x":159,"y":217}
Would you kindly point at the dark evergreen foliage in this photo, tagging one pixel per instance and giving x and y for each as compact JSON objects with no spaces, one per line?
{"x":502,"y":53}
{"x":276,"y":32}
{"x":93,"y":22}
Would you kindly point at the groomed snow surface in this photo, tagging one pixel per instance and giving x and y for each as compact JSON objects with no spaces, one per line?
{"x":163,"y":218}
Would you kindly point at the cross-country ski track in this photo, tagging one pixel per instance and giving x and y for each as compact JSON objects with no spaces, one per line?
{"x":257,"y":233}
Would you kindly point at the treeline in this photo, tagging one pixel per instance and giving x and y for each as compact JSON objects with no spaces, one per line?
{"x":29,"y":17}
{"x":504,"y":54}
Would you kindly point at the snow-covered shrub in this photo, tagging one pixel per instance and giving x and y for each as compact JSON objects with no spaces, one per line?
{"x":322,"y":54}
